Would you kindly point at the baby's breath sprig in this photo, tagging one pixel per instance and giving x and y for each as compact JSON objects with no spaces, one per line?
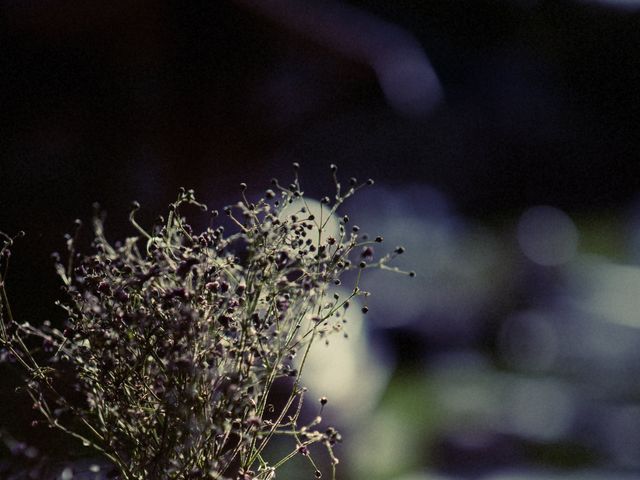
{"x":176,"y":346}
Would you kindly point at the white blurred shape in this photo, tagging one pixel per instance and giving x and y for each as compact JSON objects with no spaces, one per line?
{"x":347,"y":371}
{"x":458,"y":265}
{"x":547,"y":236}
{"x":610,"y":291}
{"x":331,"y":226}
{"x":384,"y":446}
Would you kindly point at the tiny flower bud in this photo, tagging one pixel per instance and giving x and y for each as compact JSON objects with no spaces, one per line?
{"x":367,"y":253}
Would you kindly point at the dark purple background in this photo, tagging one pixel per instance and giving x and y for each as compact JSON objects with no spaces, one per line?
{"x":116,"y":101}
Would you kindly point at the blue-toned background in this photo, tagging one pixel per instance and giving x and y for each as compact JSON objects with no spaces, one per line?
{"x":504,"y":140}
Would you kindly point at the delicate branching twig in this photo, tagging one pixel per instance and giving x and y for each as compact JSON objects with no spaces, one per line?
{"x":176,"y":349}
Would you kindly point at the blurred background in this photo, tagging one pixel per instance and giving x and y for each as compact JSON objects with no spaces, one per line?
{"x":504,"y":139}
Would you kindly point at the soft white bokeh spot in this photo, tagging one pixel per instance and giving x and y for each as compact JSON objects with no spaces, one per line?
{"x":348,"y":371}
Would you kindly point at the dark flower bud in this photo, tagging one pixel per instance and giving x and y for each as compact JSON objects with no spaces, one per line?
{"x":412,"y":274}
{"x":325,"y":200}
{"x":303,"y":450}
{"x":365,"y":309}
{"x":323,"y":401}
{"x":121,"y":295}
{"x":367,"y":253}
{"x":47,"y":345}
{"x":333,"y":167}
{"x":270,"y":194}
{"x":177,"y":293}
{"x":253,"y":421}
{"x":362,"y":264}
{"x":185,"y":267}
{"x":103,"y":287}
{"x":225,"y":320}
{"x":370,"y":181}
{"x":296,"y":165}
{"x":379,"y":239}
{"x":399,"y":250}
{"x":243,"y":187}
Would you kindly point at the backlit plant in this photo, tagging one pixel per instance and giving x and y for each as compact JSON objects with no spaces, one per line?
{"x":175,"y":339}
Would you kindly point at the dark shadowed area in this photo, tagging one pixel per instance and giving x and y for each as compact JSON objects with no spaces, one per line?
{"x":504,"y":138}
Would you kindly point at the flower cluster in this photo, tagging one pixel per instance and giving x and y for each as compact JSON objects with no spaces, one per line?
{"x":175,"y":339}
